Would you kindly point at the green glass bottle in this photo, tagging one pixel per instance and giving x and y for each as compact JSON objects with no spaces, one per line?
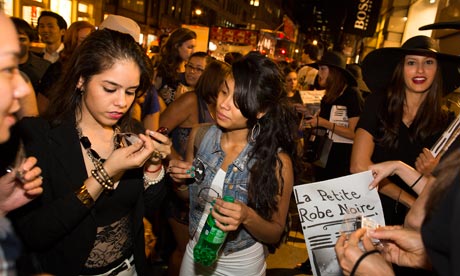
{"x":211,"y":240}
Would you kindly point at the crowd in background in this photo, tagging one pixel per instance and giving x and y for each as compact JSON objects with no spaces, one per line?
{"x":236,"y":127}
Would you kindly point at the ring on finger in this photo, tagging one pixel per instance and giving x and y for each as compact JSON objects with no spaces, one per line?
{"x":156,"y":154}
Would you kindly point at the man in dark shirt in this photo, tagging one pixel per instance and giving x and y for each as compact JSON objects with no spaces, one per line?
{"x":29,"y":63}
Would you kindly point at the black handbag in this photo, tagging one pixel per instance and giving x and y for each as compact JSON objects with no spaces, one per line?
{"x":317,"y":146}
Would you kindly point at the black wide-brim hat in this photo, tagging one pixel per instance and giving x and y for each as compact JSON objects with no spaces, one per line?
{"x":378,"y":66}
{"x":336,"y":60}
{"x":442,"y":25}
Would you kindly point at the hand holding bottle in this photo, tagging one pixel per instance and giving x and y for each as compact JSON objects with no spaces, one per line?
{"x":211,"y":239}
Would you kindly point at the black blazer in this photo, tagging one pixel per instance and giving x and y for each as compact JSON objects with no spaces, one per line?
{"x":58,"y":231}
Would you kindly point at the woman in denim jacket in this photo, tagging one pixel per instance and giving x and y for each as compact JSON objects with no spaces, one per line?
{"x":250,"y":155}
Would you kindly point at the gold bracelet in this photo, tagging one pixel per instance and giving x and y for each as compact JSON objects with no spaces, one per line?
{"x":84,"y":196}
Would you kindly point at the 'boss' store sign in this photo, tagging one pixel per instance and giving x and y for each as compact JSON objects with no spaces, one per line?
{"x":362,"y":17}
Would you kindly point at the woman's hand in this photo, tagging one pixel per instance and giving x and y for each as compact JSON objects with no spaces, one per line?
{"x":229,"y":215}
{"x":381,"y":171}
{"x":302,"y":109}
{"x":348,"y":252}
{"x":20,"y":186}
{"x":161,"y":144}
{"x":180,"y":170}
{"x":425,"y":162}
{"x":402,"y":246}
{"x":130,"y":157}
{"x":317,"y":121}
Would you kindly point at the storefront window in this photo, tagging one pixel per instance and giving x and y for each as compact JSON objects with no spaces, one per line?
{"x":85,"y":12}
{"x":82,"y":7}
{"x":31,"y":14}
{"x":63,"y":8}
{"x":8,"y":7}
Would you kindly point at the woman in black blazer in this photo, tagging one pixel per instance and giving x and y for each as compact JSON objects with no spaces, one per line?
{"x":97,"y":180}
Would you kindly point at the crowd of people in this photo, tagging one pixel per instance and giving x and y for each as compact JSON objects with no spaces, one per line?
{"x":98,"y":139}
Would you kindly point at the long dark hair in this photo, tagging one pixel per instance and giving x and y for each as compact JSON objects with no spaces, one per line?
{"x":335,"y":85}
{"x":445,"y":172}
{"x":430,"y":117}
{"x":97,"y":53}
{"x":210,"y":81}
{"x":259,"y":87}
{"x":170,"y":59}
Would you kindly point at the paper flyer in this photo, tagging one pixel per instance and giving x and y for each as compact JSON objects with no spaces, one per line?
{"x":328,"y":208}
{"x":312,"y":100}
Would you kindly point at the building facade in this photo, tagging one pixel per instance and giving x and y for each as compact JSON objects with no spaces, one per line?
{"x":157,"y":17}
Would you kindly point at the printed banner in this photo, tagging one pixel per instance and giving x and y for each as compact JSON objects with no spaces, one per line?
{"x":237,"y":36}
{"x":329,"y":208}
{"x":362,"y":17}
{"x":290,"y":29}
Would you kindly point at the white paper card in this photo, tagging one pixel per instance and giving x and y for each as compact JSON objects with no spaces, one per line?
{"x":323,"y":207}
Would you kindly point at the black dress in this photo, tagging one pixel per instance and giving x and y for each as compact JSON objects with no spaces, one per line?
{"x":338,"y":163}
{"x":406,"y":151}
{"x":440,"y":229}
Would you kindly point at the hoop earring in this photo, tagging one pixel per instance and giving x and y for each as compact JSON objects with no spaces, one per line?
{"x":78,"y":91}
{"x":255,"y":131}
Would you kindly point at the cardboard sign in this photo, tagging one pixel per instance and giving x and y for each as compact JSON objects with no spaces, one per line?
{"x":329,"y":208}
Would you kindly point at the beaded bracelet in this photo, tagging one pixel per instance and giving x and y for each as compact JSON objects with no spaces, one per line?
{"x":84,"y":196}
{"x":103,"y":173}
{"x":148,"y":181}
{"x":99,"y":179}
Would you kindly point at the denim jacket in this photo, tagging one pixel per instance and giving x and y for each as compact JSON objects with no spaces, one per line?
{"x":236,"y":181}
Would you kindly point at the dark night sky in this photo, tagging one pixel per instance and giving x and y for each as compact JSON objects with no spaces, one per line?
{"x":334,"y":11}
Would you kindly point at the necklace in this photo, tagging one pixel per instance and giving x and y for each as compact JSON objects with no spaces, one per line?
{"x":86,"y":143}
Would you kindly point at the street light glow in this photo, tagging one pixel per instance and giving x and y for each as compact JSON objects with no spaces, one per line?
{"x":198,"y":11}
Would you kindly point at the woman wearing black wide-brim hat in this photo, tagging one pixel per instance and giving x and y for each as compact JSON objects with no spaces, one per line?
{"x":379,"y":65}
{"x":339,"y":113}
{"x":403,"y":117}
{"x":436,"y":215}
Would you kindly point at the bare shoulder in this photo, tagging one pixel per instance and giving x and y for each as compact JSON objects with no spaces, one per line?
{"x":285,"y":159}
